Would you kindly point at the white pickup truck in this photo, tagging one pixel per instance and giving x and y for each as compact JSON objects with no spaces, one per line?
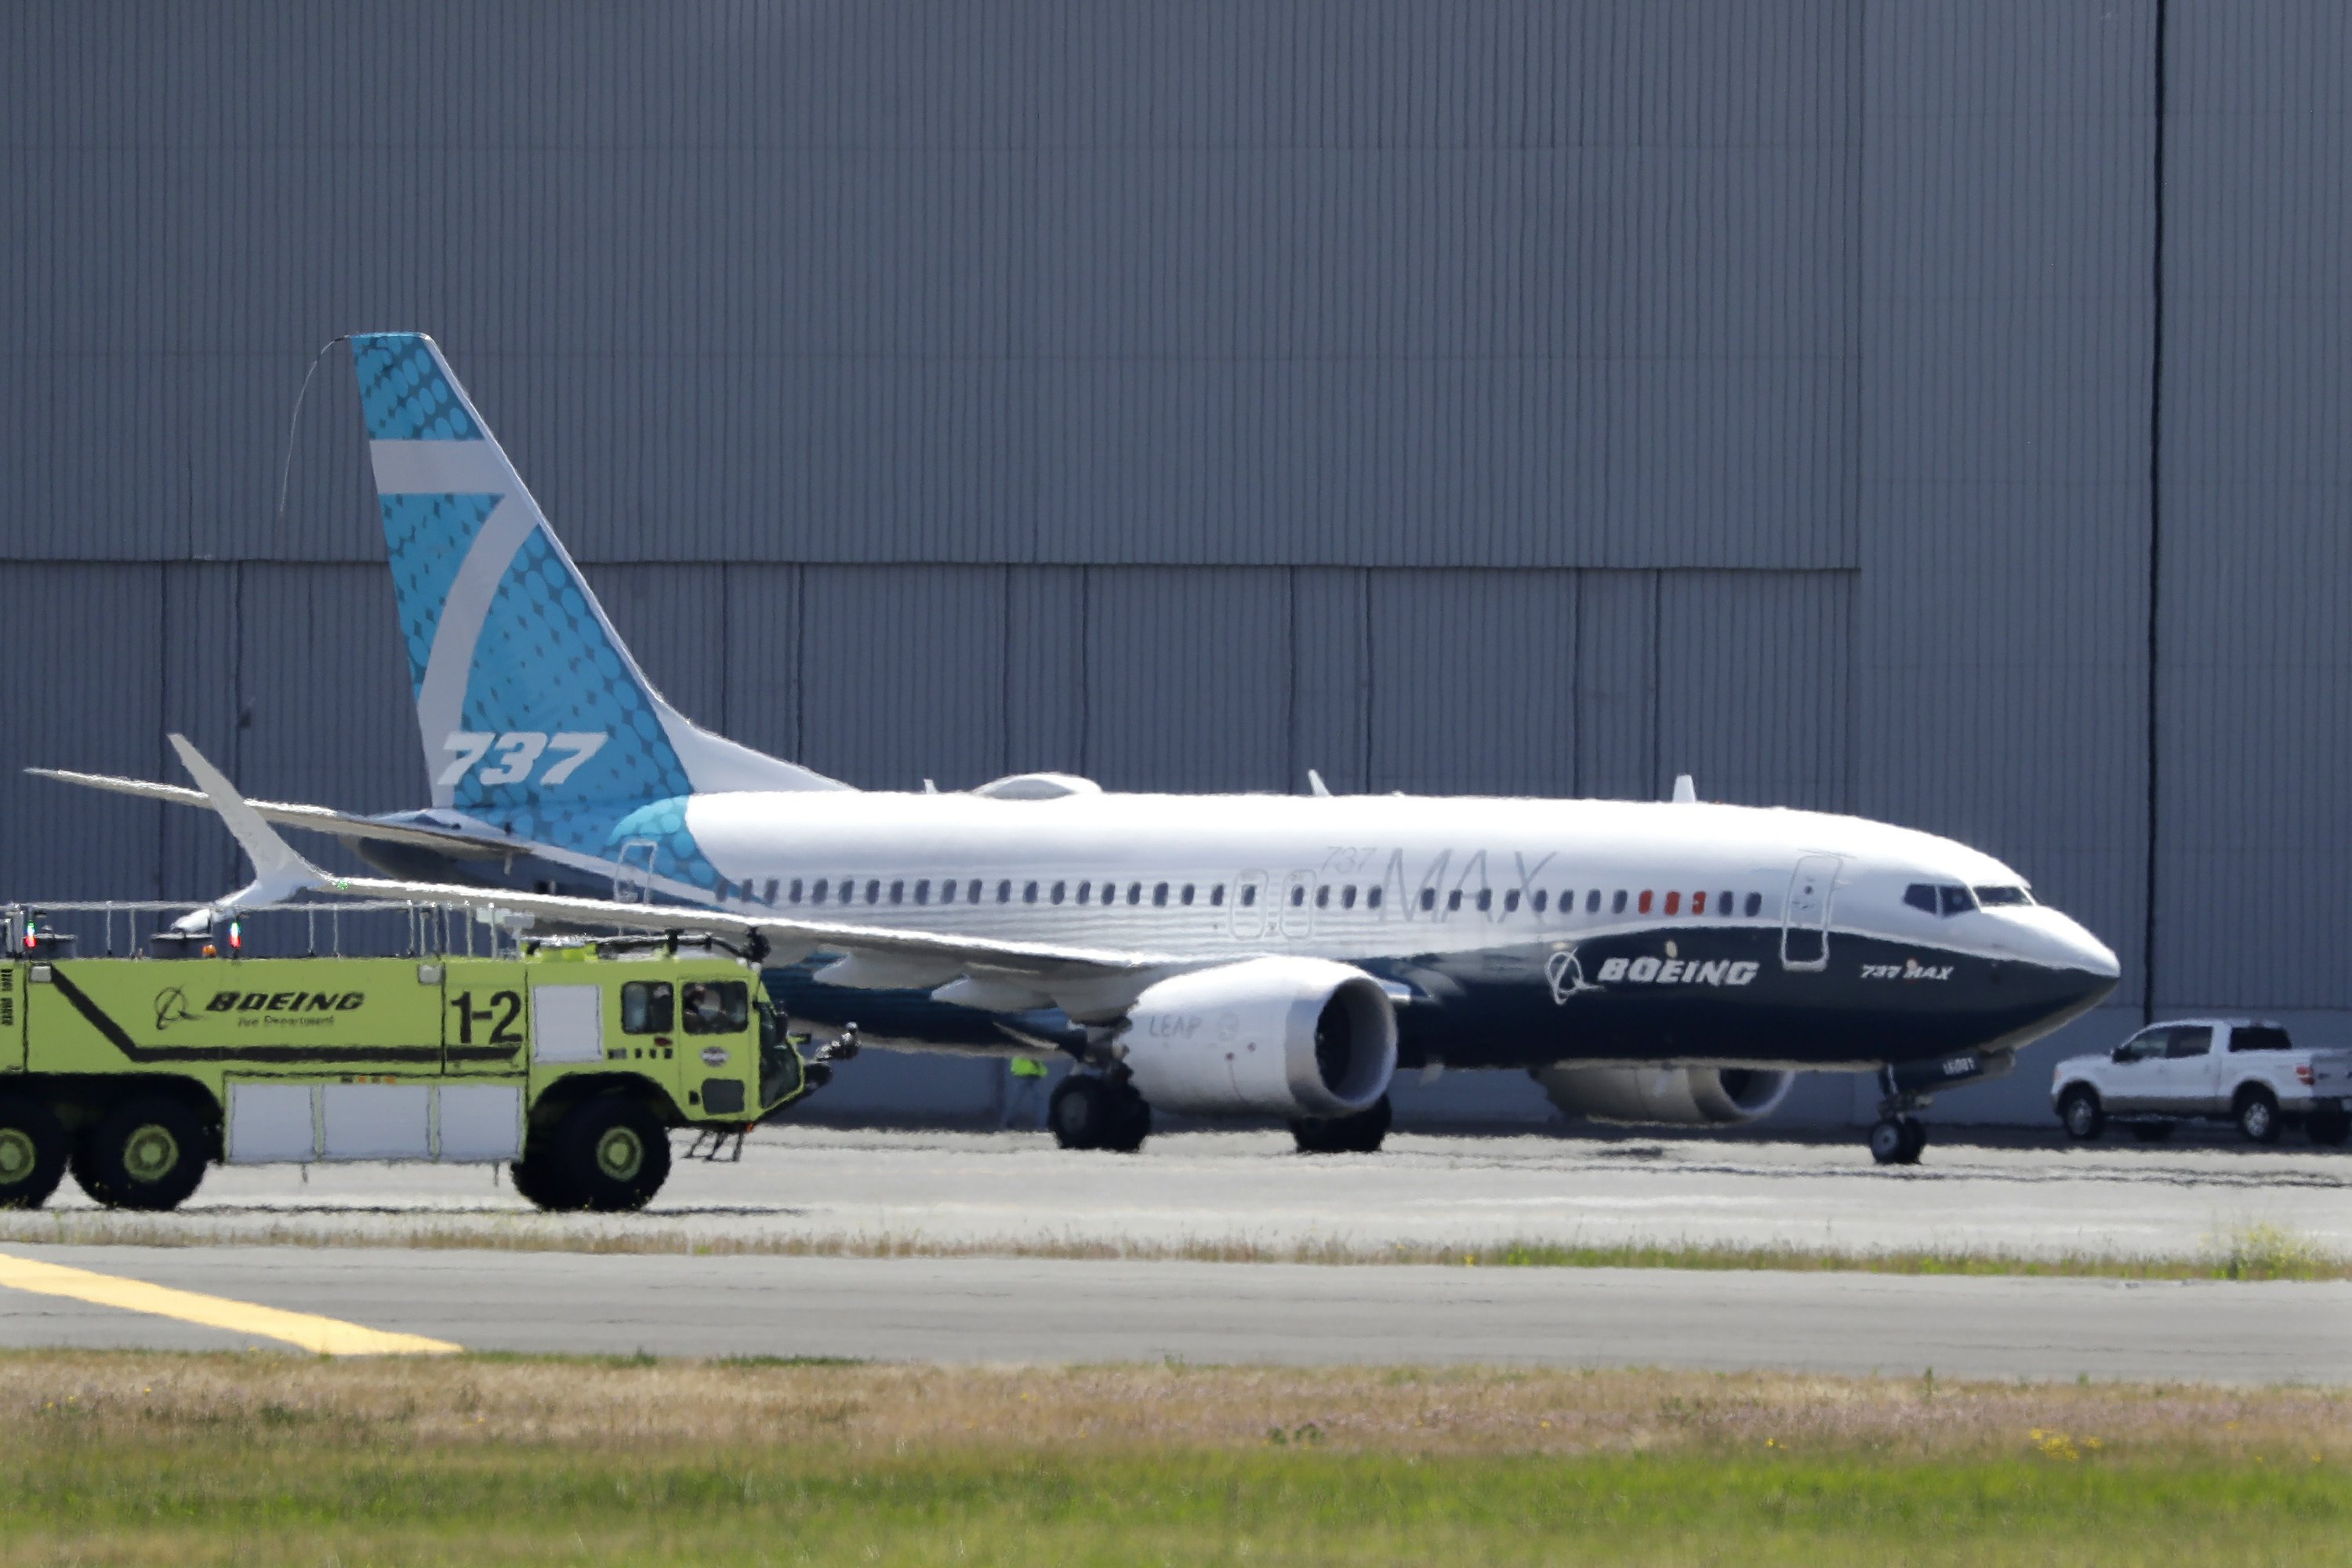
{"x":2220,"y":1069}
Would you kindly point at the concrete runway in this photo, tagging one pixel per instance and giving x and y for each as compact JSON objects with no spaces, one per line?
{"x":1000,"y":1310}
{"x":968,"y":1190}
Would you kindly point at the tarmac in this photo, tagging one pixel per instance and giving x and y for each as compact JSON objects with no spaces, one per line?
{"x":1207,"y":1190}
{"x":429,"y":1275}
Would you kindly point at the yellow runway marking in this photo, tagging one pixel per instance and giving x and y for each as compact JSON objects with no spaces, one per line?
{"x":324,"y":1336}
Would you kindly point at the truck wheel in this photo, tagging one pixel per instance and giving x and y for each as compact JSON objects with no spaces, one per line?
{"x":537,"y":1181}
{"x":2258,"y":1116}
{"x":615,"y":1157}
{"x":2330,"y":1127}
{"x":2079,"y":1108}
{"x":143,"y":1154}
{"x":32,"y":1145}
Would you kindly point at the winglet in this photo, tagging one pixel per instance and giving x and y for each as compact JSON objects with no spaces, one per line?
{"x":1685,"y":793}
{"x":1316,"y":785}
{"x":279,"y":872}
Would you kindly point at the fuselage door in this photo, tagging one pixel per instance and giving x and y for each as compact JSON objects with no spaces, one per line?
{"x":1805,"y":919}
{"x":633,"y":878}
{"x":1249,"y":905}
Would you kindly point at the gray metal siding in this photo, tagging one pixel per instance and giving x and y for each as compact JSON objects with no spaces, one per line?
{"x":2254,"y":647}
{"x":1497,"y":396}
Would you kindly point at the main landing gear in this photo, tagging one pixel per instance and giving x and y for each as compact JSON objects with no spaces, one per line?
{"x":1091,"y":1110}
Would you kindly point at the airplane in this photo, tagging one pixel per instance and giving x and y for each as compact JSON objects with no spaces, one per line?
{"x":1251,"y":955}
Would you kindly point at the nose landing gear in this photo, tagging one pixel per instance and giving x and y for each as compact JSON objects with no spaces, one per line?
{"x":1896,"y":1140}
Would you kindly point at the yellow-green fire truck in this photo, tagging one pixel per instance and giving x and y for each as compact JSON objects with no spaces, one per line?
{"x":570,"y":1060}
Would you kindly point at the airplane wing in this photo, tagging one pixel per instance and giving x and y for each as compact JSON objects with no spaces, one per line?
{"x":1089,"y":984}
{"x":311,"y":818}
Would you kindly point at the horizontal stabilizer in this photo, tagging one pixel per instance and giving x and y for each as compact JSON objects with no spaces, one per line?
{"x":310,"y":819}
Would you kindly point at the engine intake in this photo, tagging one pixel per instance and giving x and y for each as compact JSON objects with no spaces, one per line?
{"x":1667,"y":1097}
{"x":1292,"y":1037}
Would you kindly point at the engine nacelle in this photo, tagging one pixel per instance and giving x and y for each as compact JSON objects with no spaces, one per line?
{"x":1670,"y":1097}
{"x":1267,"y":1037}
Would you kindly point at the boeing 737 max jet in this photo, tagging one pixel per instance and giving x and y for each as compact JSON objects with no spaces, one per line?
{"x":1246,"y":954}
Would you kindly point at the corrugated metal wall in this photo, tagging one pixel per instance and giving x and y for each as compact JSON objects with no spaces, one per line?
{"x":1511,"y":396}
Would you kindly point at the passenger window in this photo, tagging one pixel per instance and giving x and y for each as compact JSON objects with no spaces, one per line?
{"x":1617,"y":904}
{"x":1429,"y":898}
{"x":1698,"y":903}
{"x":874,"y":890}
{"x":923,"y":891}
{"x":2258,"y":1039}
{"x":771,"y":900}
{"x":1454,"y":900}
{"x":897,"y":893}
{"x":1249,"y":894}
{"x":1004,"y":891}
{"x":1723,"y":905}
{"x":947,"y":892}
{"x":1486,"y":899}
{"x":1592,"y":901}
{"x":1674,"y":903}
{"x":817,"y":895}
{"x":1029,"y":893}
{"x":648,"y":1007}
{"x":1298,"y":895}
{"x":1371,"y":898}
{"x":2188,"y":1042}
{"x":1348,"y":897}
{"x":1755,"y":902}
{"x":1645,"y":901}
{"x":1109,"y":894}
{"x":1186,"y":897}
{"x":1217,"y":897}
{"x":796,"y":894}
{"x":1159,"y":896}
{"x":1323,"y":897}
{"x":1060,"y":890}
{"x":718,"y":1007}
{"x":1540,"y":896}
{"x":1134,"y":893}
{"x":1086,"y":893}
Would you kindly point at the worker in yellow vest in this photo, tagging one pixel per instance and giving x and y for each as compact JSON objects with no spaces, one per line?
{"x":1025,"y":1106}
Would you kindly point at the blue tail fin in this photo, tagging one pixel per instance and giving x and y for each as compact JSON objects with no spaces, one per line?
{"x":532,"y":713}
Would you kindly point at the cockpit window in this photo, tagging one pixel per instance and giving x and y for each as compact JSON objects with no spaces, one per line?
{"x":1939,"y":898}
{"x":1992,"y":898}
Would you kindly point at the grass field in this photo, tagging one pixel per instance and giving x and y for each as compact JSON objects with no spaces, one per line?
{"x":2247,"y":1251}
{"x":120,"y":1457}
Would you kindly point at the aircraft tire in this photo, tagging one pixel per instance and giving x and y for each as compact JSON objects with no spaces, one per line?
{"x":2082,"y":1115}
{"x":1890,"y":1142}
{"x":33,"y":1151}
{"x":612,"y":1154}
{"x":1081,"y":1112}
{"x":148,"y":1154}
{"x":1361,"y":1133}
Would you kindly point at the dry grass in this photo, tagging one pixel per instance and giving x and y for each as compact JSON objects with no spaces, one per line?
{"x":2247,"y":1251}
{"x":123,"y":1397}
{"x":170,"y":1459}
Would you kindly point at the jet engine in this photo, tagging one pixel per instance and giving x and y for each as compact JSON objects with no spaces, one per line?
{"x":1670,"y":1097}
{"x":1294,"y":1037}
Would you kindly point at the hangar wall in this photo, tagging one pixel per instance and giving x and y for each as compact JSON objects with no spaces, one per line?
{"x":1920,"y":407}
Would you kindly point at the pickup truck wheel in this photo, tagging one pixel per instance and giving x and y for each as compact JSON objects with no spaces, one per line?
{"x":2329,"y":1126}
{"x":2258,"y":1116}
{"x":145,"y":1153}
{"x":615,"y":1155}
{"x":2080,"y":1109}
{"x":32,"y":1145}
{"x":2151,"y":1132}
